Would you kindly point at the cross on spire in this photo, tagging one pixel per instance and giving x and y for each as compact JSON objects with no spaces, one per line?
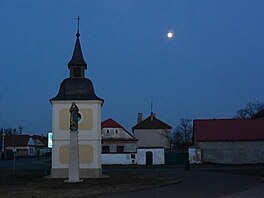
{"x":78,"y":27}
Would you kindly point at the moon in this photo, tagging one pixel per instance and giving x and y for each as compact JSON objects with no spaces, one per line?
{"x":170,"y":35}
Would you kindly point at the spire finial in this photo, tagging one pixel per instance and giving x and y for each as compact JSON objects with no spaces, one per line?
{"x":78,"y":27}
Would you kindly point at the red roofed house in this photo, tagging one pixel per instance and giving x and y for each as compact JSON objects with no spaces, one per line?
{"x":151,"y":132}
{"x":230,"y":141}
{"x":41,"y":145}
{"x":26,"y":145}
{"x":23,"y":145}
{"x":116,"y":139}
{"x":152,"y":135}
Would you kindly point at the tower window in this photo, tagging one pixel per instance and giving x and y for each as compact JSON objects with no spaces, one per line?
{"x":77,"y":72}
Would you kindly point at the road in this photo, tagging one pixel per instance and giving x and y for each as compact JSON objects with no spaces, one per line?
{"x":198,"y":182}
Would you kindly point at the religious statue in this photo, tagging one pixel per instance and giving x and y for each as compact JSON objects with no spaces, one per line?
{"x":74,"y":117}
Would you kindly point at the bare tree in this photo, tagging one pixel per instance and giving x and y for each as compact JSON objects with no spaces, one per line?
{"x":184,"y":132}
{"x":169,"y":138}
{"x":20,"y":129}
{"x":250,"y":109}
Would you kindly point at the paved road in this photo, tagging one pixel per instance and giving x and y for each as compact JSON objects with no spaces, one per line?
{"x":198,"y":183}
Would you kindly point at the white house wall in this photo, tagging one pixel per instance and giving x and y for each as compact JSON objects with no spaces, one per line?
{"x":118,"y":158}
{"x":158,"y":155}
{"x":128,"y":147}
{"x":115,"y":133}
{"x":151,"y":137}
{"x":118,"y":133}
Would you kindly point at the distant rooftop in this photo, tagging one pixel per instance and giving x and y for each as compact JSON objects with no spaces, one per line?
{"x":151,"y":122}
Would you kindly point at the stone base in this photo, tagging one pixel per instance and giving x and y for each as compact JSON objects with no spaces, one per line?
{"x":73,"y":181}
{"x":84,"y":173}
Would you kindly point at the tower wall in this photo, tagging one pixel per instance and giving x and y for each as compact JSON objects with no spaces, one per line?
{"x":89,"y":138}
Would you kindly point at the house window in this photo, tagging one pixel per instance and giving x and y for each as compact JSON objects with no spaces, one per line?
{"x":116,"y":131}
{"x":120,"y":149}
{"x":105,"y":149}
{"x":107,"y":131}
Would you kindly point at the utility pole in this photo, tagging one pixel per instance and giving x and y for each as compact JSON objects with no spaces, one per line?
{"x":3,"y":139}
{"x":3,"y":143}
{"x":14,"y":151}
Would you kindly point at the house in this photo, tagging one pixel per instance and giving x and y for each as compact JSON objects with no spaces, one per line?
{"x":41,"y":145}
{"x":23,"y":145}
{"x":230,"y":141}
{"x":151,"y":132}
{"x":26,"y":145}
{"x":152,"y":135}
{"x":116,"y":139}
{"x":118,"y":145}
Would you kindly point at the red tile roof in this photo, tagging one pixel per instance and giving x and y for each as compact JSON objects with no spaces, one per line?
{"x":16,"y":140}
{"x":151,"y":123}
{"x":110,"y":123}
{"x":228,"y":129}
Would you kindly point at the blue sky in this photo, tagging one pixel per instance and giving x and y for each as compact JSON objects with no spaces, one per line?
{"x":213,"y":66}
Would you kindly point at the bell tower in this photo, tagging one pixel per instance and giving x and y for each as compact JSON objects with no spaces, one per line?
{"x":77,"y":65}
{"x":78,"y":89}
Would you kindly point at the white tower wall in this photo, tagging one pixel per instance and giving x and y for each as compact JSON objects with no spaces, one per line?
{"x":89,"y":138}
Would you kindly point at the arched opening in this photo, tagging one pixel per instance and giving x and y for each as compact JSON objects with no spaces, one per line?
{"x":149,"y":158}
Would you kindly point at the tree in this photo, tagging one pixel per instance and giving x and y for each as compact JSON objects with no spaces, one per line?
{"x":169,"y":137}
{"x":20,"y":129}
{"x":8,"y":131}
{"x":250,"y":109}
{"x":183,"y":133}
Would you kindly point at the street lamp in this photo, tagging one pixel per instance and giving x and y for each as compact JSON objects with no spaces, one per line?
{"x":3,"y":139}
{"x":3,"y":143}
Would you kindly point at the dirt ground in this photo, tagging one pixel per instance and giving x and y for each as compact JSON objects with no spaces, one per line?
{"x":34,"y":184}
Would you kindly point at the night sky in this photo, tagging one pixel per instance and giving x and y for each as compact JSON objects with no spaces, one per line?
{"x":212,"y":66}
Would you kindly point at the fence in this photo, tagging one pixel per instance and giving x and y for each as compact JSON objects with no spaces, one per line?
{"x":173,"y":158}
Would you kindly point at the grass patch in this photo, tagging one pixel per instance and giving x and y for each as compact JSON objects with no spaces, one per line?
{"x":31,"y":184}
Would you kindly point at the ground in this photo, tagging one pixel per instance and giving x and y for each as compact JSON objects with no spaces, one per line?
{"x":34,"y":184}
{"x":207,"y":180}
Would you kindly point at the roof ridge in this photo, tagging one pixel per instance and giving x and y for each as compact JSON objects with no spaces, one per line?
{"x":151,"y":122}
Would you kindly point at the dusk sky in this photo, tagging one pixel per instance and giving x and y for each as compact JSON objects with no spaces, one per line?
{"x":212,"y":66}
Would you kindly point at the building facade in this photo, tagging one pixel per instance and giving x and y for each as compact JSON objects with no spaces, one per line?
{"x":230,"y":141}
{"x":25,"y":145}
{"x":116,"y":139}
{"x":151,"y":132}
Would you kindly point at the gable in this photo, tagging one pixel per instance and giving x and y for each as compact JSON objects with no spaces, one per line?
{"x":152,"y":123}
{"x":40,"y":140}
{"x":111,"y":129}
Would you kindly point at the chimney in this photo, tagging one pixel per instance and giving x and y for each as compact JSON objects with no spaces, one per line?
{"x":152,"y":115}
{"x":139,"y":118}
